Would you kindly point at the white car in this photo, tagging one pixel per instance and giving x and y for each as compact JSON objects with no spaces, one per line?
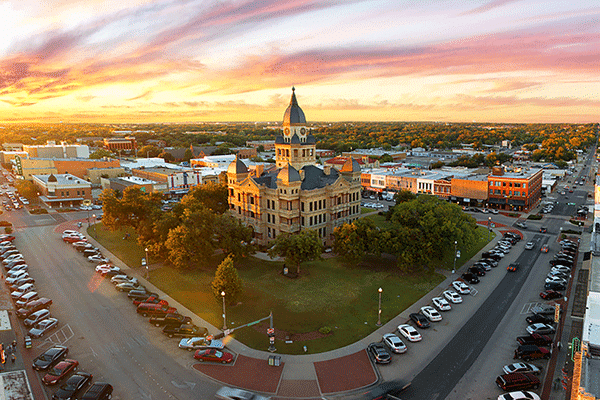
{"x":431,"y":313}
{"x":122,"y":279}
{"x":521,"y":225}
{"x":394,"y":343}
{"x":555,"y":279}
{"x":452,"y":296}
{"x":461,"y":287}
{"x":200,"y":343}
{"x":561,"y":268}
{"x":227,"y":393}
{"x":98,"y":259}
{"x":529,"y":245}
{"x":497,"y":253}
{"x":520,"y":395}
{"x":104,"y":269}
{"x":521,"y":367}
{"x":502,"y":249}
{"x":542,"y":329}
{"x":410,"y":333}
{"x":494,"y":211}
{"x":441,"y":304}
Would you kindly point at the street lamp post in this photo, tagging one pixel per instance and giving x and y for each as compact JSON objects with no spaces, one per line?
{"x":379,"y":312}
{"x":147,"y":262}
{"x":224,"y":316}
{"x":454,"y":267}
{"x":94,"y":219}
{"x":489,"y":228}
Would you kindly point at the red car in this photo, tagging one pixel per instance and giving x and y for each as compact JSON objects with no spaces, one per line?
{"x":151,"y":300}
{"x":550,"y":294}
{"x":213,"y":355}
{"x":73,"y":239}
{"x":3,"y":238}
{"x":59,"y":371}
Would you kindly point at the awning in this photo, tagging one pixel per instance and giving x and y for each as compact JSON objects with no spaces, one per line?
{"x":45,"y":199}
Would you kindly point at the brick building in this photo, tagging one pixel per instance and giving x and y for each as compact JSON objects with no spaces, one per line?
{"x":62,"y":190}
{"x":515,"y":191}
{"x":127,"y":143}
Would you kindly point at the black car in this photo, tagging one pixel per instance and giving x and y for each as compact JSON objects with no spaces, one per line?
{"x":470,"y":278}
{"x":420,"y":320}
{"x":543,"y":230}
{"x":379,"y":353}
{"x":73,"y":386}
{"x":512,"y":235}
{"x":555,"y":286}
{"x":98,"y":391}
{"x":538,"y":318}
{"x":513,"y":267}
{"x":50,"y":357}
{"x":477,"y":270}
{"x":562,"y":262}
{"x":494,"y":257}
{"x":140,"y":294}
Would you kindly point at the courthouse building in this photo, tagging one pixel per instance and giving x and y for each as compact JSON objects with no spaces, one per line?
{"x":297,"y":194}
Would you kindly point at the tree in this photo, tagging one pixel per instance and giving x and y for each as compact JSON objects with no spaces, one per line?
{"x":101,"y":153}
{"x":187,"y":155}
{"x":149,"y":151}
{"x":210,"y":195}
{"x":353,"y":241}
{"x":26,"y":189}
{"x":193,"y":242}
{"x":298,"y":247}
{"x":233,"y":236}
{"x":404,"y":195}
{"x":227,"y":280}
{"x":168,"y":157}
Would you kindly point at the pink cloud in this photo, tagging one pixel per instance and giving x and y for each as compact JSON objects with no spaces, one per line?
{"x":489,"y":6}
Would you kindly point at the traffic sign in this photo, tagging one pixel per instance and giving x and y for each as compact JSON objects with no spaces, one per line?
{"x":209,"y":337}
{"x":227,"y":331}
{"x":270,"y":331}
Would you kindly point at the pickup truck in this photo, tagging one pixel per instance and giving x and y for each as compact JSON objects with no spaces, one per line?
{"x":184,"y":330}
{"x":170,"y":319}
{"x":536,"y":339}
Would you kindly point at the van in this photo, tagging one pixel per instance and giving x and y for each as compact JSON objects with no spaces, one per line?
{"x":154,"y":309}
{"x":26,"y":298}
{"x":528,"y":352}
{"x":517,"y":381}
{"x":36,"y":317}
{"x":33,"y":306}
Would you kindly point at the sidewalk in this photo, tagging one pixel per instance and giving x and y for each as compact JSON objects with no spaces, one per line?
{"x":308,"y":376}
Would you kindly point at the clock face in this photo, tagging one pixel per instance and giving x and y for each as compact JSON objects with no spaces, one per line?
{"x":287,"y":131}
{"x":303,"y":131}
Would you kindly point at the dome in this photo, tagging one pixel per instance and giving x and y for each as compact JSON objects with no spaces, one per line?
{"x":288,"y":174}
{"x":237,"y":167}
{"x":351,"y":165}
{"x":52,"y":178}
{"x":294,"y":114}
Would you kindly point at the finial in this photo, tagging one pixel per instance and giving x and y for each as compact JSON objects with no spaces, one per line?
{"x":293,"y":89}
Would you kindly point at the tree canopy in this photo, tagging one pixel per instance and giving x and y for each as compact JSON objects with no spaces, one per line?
{"x":298,"y":247}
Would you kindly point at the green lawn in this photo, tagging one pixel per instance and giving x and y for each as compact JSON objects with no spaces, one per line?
{"x":327,"y":294}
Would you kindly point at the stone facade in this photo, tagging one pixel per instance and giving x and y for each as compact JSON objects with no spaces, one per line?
{"x":297,"y":194}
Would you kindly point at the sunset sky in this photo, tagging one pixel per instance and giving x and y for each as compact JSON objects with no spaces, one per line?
{"x":362,"y":60}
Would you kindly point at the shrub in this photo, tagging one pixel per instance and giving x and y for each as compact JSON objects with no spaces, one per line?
{"x":325,"y":330}
{"x":535,"y":217}
{"x":5,"y":223}
{"x":8,"y":230}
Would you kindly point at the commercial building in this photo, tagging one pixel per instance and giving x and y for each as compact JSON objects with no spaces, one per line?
{"x":266,"y":144}
{"x":75,"y":166}
{"x":62,"y":190}
{"x":515,"y":191}
{"x":53,"y":150}
{"x":397,"y":155}
{"x":178,"y":182}
{"x":127,"y":144}
{"x":297,"y":194}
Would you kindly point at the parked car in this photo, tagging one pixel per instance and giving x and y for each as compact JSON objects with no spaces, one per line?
{"x":555,"y":279}
{"x":452,"y":296}
{"x":106,"y":269}
{"x":26,"y":298}
{"x":521,"y":367}
{"x":170,"y":319}
{"x":184,"y":330}
{"x":60,"y":371}
{"x":98,"y":391}
{"x":43,"y":327}
{"x":98,"y":258}
{"x":50,"y":357}
{"x":420,"y":320}
{"x":530,"y":352}
{"x":213,"y":355}
{"x":470,"y":278}
{"x":36,"y":317}
{"x":517,"y":380}
{"x":539,"y":319}
{"x":22,"y":281}
{"x":461,"y":287}
{"x":561,"y":268}
{"x":140,"y":294}
{"x":123,"y":278}
{"x":542,"y":329}
{"x":543,"y":230}
{"x":535,"y":339}
{"x":543,"y":309}
{"x":200,"y":343}
{"x":379,"y":353}
{"x":441,"y":304}
{"x":73,"y":386}
{"x":479,"y":269}
{"x":128,"y":286}
{"x":409,"y":333}
{"x":431,"y":313}
{"x":153,"y":299}
{"x":519,"y":395}
{"x":394,"y":343}
{"x":227,"y":393}
{"x":33,"y":306}
{"x":521,"y":224}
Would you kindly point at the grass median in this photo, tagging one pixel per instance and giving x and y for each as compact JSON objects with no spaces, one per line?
{"x":329,"y":306}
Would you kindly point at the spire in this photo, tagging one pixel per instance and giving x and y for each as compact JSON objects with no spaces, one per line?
{"x":293,"y":101}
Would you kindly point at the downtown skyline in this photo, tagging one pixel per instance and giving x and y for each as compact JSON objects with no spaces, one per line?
{"x":142,"y":61}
